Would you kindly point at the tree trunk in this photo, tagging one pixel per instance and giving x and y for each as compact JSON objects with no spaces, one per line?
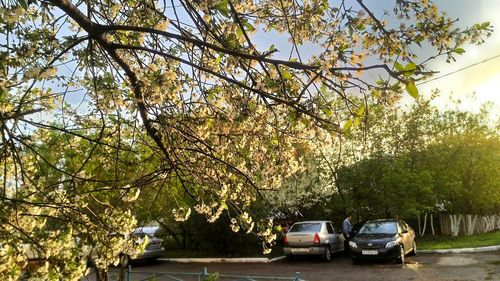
{"x":101,"y":274}
{"x":455,"y":224}
{"x":425,"y":225}
{"x":121,"y":276}
{"x":432,"y":225}
{"x":419,"y":225}
{"x":470,"y":224}
{"x":489,"y":224}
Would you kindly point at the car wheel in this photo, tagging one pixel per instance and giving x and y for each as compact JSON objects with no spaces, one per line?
{"x":401,"y":258}
{"x":355,"y":261}
{"x":414,"y":249}
{"x":327,"y":256}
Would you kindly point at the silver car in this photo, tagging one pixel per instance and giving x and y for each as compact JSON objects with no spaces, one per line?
{"x":313,"y":238}
{"x":154,"y":249}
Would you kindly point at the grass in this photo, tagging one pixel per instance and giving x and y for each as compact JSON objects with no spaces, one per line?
{"x":447,"y":242}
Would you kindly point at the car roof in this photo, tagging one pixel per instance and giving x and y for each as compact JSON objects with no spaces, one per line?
{"x":151,"y":230}
{"x":316,"y":221}
{"x":383,"y":220}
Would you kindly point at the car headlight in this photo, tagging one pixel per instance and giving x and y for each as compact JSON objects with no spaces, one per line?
{"x":352,"y":244}
{"x":392,"y":243}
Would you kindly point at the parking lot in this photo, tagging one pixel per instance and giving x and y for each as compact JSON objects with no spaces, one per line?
{"x":435,"y":267}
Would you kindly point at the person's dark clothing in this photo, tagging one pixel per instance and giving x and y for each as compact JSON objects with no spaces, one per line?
{"x":347,"y":232}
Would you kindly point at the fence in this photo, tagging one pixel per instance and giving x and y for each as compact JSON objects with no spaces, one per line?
{"x":455,"y":225}
{"x":132,"y":275}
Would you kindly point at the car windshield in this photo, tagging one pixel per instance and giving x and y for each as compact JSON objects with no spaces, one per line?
{"x":379,"y":228}
{"x":141,"y":235}
{"x":306,"y":227}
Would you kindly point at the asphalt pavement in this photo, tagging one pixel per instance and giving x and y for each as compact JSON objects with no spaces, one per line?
{"x":267,"y":260}
{"x":466,"y":266}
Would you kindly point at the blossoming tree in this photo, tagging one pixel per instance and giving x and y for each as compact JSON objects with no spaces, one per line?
{"x":103,"y":100}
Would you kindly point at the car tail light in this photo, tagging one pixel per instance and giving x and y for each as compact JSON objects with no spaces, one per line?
{"x":316,"y":238}
{"x":285,"y":240}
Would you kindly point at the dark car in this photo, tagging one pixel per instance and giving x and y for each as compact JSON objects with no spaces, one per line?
{"x":318,"y":238}
{"x":383,"y":239}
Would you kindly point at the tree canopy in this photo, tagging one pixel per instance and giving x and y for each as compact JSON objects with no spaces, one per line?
{"x":104,"y":101}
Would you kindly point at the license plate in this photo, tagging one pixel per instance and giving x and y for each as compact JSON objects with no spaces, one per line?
{"x":369,"y":252}
{"x":300,"y":250}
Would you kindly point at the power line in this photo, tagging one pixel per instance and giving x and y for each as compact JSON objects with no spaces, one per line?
{"x":458,"y":70}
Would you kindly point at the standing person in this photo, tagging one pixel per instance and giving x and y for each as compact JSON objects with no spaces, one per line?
{"x":347,"y":232}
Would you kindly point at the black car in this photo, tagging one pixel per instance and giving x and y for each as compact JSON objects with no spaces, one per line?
{"x":383,"y":239}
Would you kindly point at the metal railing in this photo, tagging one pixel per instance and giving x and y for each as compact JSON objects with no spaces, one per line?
{"x":204,"y":275}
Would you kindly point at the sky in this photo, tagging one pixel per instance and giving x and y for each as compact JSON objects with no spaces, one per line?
{"x":481,"y":80}
{"x":476,"y":84}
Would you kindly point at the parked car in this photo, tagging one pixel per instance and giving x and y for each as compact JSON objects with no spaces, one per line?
{"x":383,"y":239}
{"x":313,"y":238}
{"x":154,"y":249}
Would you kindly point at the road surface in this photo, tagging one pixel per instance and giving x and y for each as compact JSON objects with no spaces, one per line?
{"x":434,"y":267}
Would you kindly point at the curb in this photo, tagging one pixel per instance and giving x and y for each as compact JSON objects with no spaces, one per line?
{"x":221,"y":260}
{"x":216,"y":260}
{"x":461,"y":250}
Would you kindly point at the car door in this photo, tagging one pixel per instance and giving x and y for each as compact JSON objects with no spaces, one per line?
{"x":411,"y":233}
{"x":405,"y":236}
{"x":335,"y":242}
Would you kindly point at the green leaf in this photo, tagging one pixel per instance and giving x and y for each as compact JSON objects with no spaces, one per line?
{"x":222,"y":8}
{"x":361,"y":111}
{"x":485,"y":25}
{"x":219,"y":59}
{"x":305,"y":121}
{"x":347,"y":125}
{"x":398,"y":66}
{"x":410,"y":68}
{"x":211,"y":94}
{"x":412,"y":90}
{"x":272,"y":48}
{"x":325,"y":5}
{"x":357,"y":121}
{"x":248,"y":26}
{"x":232,"y":40}
{"x":239,"y":32}
{"x":328,"y":112}
{"x":459,"y":51}
{"x":286,"y":75}
{"x":23,"y":4}
{"x":108,"y":78}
